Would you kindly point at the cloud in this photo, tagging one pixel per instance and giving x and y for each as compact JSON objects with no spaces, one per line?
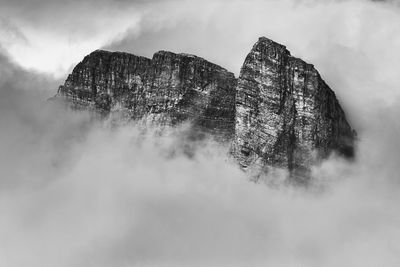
{"x":118,"y":198}
{"x":59,"y":33}
{"x":74,"y":192}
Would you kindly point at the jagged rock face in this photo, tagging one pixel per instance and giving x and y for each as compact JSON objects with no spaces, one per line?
{"x":279,"y":112}
{"x":286,"y":115}
{"x":169,"y":88}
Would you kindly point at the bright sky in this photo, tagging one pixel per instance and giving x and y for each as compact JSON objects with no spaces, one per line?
{"x":53,"y":47}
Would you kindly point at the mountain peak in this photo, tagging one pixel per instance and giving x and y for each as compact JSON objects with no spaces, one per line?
{"x":264,"y":40}
{"x":278,"y":113}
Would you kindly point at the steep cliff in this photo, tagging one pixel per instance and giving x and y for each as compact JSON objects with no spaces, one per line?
{"x":169,"y":88}
{"x":278,"y":113}
{"x":286,"y":115}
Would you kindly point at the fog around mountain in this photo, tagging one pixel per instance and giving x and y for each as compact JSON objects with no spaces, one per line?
{"x":74,"y":192}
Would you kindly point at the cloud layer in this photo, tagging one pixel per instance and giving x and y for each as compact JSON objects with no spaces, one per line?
{"x":74,"y":192}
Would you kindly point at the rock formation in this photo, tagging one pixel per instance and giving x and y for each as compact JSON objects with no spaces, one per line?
{"x":286,"y":115}
{"x":169,"y":88}
{"x":278,"y":113}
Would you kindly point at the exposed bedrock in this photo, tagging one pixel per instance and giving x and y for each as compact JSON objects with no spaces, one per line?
{"x":278,"y":113}
{"x":286,"y":115}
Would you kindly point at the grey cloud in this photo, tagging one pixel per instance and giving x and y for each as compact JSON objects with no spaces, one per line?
{"x":11,"y":33}
{"x":29,"y":126}
{"x":75,"y":193}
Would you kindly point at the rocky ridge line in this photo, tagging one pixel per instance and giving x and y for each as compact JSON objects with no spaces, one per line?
{"x":277,"y":113}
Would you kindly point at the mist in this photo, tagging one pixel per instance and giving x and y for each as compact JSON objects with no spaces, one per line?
{"x":79,"y":192}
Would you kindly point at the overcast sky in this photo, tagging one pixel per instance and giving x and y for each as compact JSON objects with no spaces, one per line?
{"x":74,"y":193}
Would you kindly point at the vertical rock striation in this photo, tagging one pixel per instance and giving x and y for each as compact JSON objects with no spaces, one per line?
{"x":278,"y":113}
{"x":169,"y":88}
{"x":286,"y":115}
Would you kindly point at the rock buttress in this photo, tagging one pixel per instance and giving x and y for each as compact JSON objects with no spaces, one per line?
{"x":286,"y":115}
{"x":169,"y":88}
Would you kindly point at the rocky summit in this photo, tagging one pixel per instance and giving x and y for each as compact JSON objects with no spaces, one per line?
{"x":278,"y":113}
{"x":169,"y":88}
{"x":286,"y":115}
